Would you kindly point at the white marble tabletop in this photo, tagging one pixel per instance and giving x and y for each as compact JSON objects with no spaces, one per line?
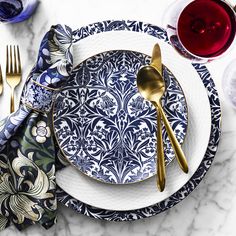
{"x":211,"y":208}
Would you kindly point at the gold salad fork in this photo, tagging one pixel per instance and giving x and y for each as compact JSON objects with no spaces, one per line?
{"x":13,"y":71}
{"x":1,"y":81}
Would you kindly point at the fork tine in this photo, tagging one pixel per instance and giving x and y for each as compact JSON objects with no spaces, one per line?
{"x":18,"y":59}
{"x":7,"y":61}
{"x":11,"y":64}
{"x":15,"y":64}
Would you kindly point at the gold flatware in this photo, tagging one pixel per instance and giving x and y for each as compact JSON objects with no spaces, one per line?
{"x":143,"y":86}
{"x":161,"y":168}
{"x":157,"y":63}
{"x":152,"y":87}
{"x":13,"y":71}
{"x":1,"y":81}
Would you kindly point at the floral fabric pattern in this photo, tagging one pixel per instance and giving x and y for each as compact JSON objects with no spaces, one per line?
{"x":41,"y":132}
{"x":27,"y":150}
{"x":26,"y":183}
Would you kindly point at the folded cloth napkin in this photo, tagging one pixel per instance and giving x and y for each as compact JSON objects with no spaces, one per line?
{"x":27,"y":149}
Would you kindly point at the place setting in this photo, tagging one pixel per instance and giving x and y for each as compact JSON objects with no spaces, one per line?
{"x":118,"y":120}
{"x":115,"y":201}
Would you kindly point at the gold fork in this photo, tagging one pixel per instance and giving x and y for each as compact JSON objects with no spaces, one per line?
{"x":13,"y":71}
{"x":1,"y":81}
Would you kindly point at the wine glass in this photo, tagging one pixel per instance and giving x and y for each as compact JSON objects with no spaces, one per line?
{"x":13,"y":11}
{"x":200,"y":30}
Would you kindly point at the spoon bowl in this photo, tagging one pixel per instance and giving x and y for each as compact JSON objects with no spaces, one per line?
{"x":150,"y":83}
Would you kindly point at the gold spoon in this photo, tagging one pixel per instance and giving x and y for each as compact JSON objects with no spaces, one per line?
{"x":152,"y":87}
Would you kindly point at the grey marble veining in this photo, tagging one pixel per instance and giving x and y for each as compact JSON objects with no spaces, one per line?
{"x":211,"y":209}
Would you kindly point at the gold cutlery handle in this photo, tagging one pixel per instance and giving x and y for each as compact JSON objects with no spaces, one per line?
{"x":161,"y":170}
{"x":174,"y":142}
{"x":12,"y":100}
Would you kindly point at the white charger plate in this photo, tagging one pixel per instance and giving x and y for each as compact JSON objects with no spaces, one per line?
{"x":121,"y":198}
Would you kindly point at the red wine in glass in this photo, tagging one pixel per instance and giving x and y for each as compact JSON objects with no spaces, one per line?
{"x":206,"y":28}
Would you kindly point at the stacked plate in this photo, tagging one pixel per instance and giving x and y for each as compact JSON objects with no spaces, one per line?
{"x":106,"y":130}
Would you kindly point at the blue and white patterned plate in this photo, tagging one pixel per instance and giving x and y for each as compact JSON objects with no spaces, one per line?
{"x":204,"y":76}
{"x":105,"y":127}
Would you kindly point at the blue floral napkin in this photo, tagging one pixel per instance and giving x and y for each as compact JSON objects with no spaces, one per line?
{"x":27,"y":150}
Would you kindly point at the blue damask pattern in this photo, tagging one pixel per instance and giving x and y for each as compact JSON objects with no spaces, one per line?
{"x":119,"y":25}
{"x":38,"y":97}
{"x":210,"y":152}
{"x":112,"y":128}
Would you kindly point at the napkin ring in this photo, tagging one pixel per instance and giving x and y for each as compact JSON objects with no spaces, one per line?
{"x":39,"y":97}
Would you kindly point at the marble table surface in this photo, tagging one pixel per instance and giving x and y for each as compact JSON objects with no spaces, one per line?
{"x":211,"y":208}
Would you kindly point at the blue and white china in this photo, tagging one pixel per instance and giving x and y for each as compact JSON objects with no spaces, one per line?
{"x":104,"y":126}
{"x":198,"y":175}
